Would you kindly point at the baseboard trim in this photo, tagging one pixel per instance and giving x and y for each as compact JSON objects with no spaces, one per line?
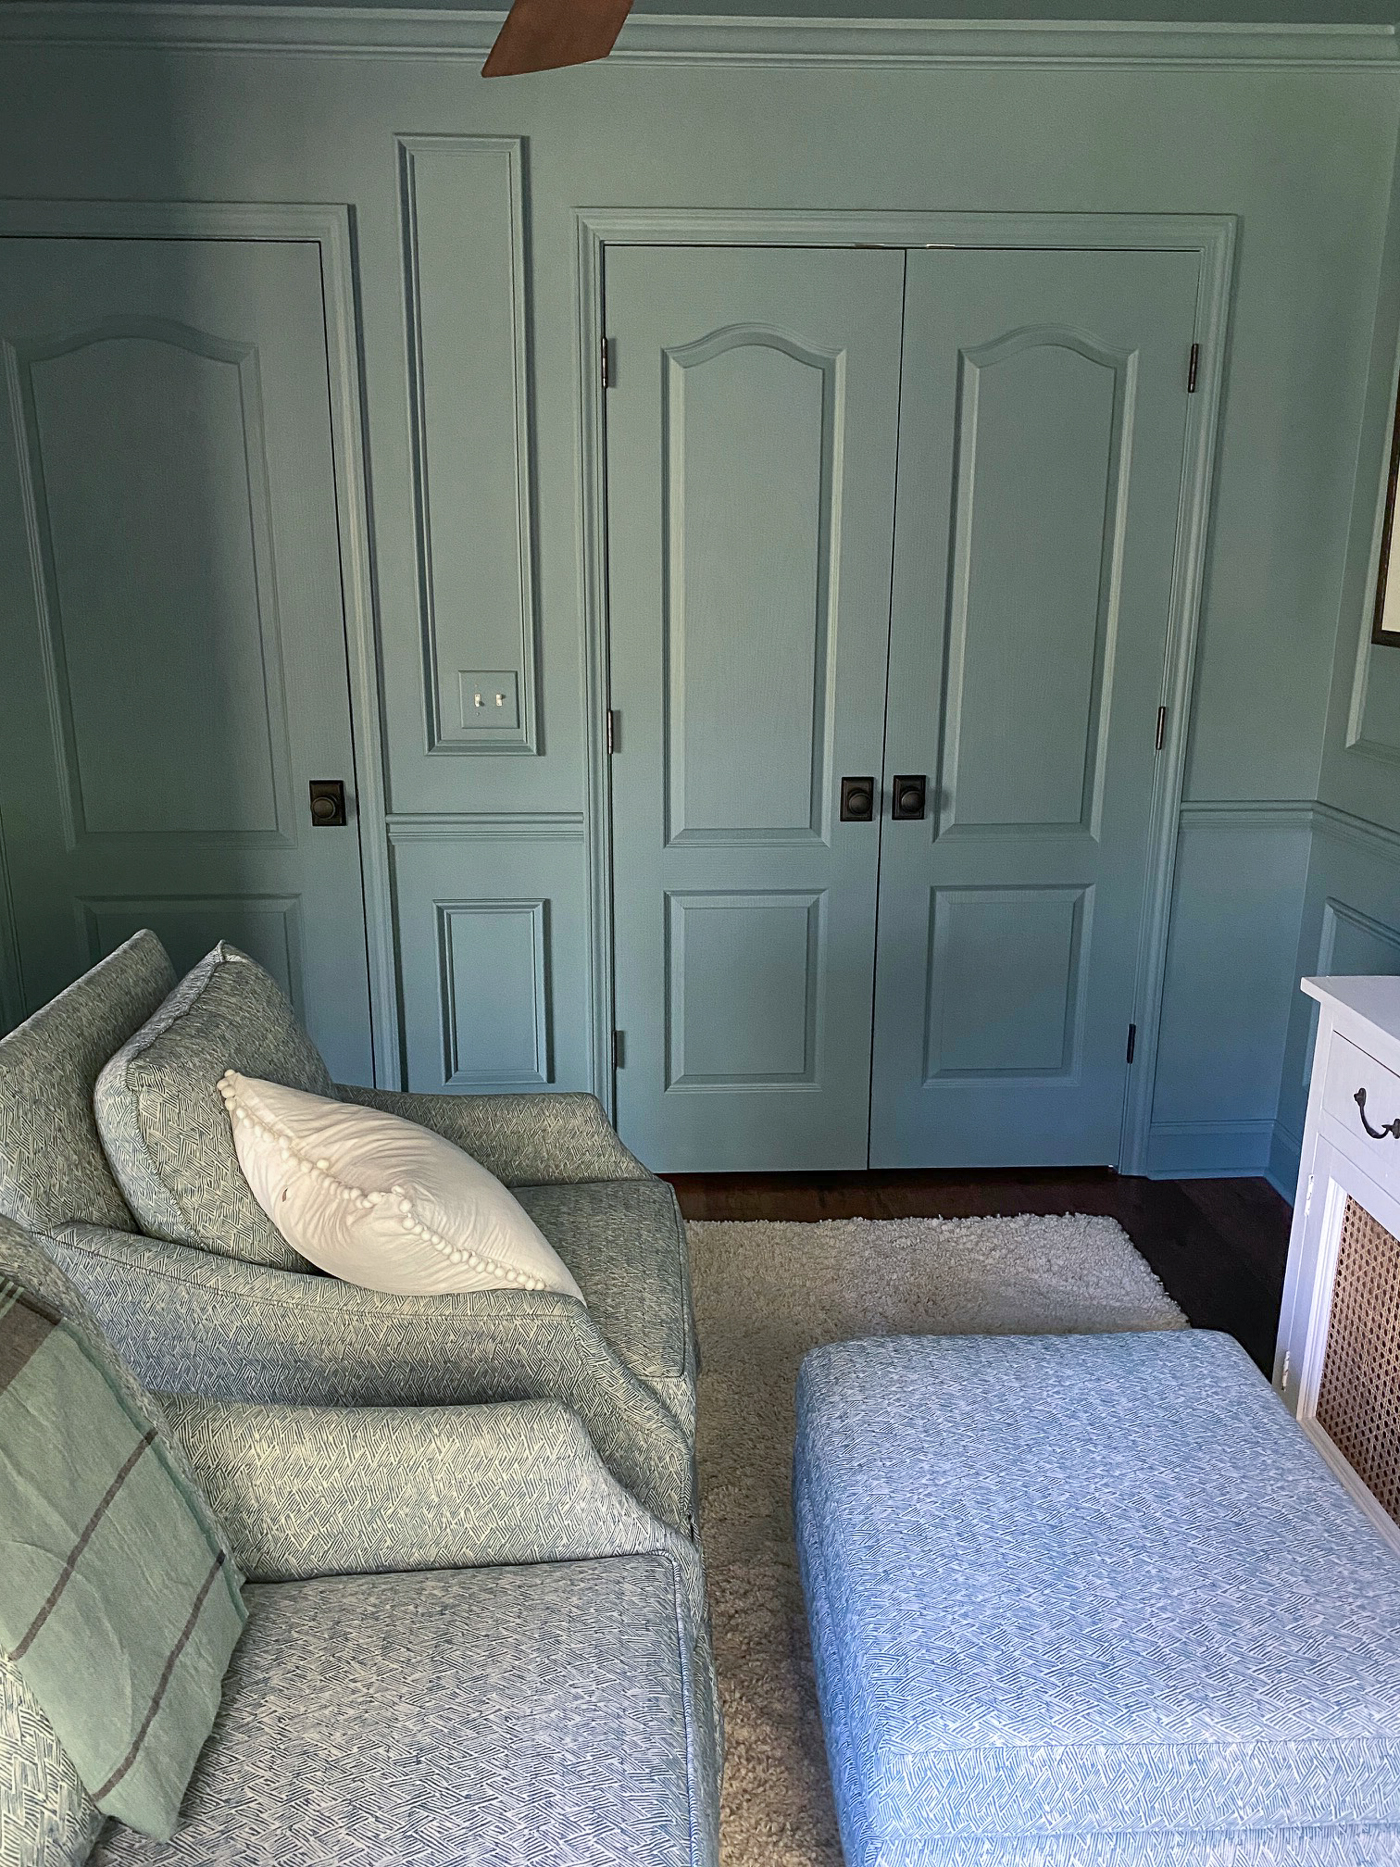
{"x":451,"y":32}
{"x":1209,"y":1150}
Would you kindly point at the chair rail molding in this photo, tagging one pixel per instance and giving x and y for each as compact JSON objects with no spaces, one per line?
{"x":328,"y":224}
{"x":775,"y":40}
{"x":1374,"y":838}
{"x":1212,"y":236}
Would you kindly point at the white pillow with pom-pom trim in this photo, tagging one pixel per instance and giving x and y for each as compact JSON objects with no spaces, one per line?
{"x":379,"y":1201}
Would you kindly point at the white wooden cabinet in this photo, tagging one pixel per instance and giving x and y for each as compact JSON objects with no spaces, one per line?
{"x":1338,"y":1359}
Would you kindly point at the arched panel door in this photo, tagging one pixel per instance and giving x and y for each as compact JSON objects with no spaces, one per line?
{"x":751,"y":440}
{"x":1042,"y":426}
{"x":171,"y":617}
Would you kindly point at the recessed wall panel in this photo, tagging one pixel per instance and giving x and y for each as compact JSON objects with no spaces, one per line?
{"x":494,"y":986}
{"x":742,"y":989}
{"x":1032,"y":598}
{"x":267,"y":927}
{"x":1004,"y":981}
{"x":1354,"y":943}
{"x":148,"y":475}
{"x":750,"y":419}
{"x":492,"y":930}
{"x":463,"y":209}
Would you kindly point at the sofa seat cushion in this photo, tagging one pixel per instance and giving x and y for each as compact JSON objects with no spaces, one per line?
{"x":1090,"y":1598}
{"x":453,"y":1718}
{"x":624,"y":1241}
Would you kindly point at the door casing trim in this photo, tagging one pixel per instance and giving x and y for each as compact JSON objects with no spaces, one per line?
{"x":1212,"y":236}
{"x":330,"y":226}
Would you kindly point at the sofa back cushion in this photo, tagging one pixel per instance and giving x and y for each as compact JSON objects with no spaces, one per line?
{"x":52,"y":1167}
{"x":163,"y":1122}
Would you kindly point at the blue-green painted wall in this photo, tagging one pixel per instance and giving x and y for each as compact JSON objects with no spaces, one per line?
{"x":1350,"y":918}
{"x":1303,"y":156}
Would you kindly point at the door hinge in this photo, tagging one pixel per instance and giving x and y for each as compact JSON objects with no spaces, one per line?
{"x":614,"y":730}
{"x":604,"y":364}
{"x":1307,"y":1203}
{"x":1161,"y":727}
{"x":1132,"y":1041}
{"x":619,"y":1049}
{"x":1287,"y":1366}
{"x":1193,"y":369}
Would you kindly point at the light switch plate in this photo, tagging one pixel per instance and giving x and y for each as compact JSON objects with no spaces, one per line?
{"x":490,"y":700}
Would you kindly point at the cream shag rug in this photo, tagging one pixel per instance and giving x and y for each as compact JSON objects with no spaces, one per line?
{"x":766,"y":1293}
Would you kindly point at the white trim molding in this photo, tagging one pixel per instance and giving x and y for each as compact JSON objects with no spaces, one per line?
{"x":703,"y":39}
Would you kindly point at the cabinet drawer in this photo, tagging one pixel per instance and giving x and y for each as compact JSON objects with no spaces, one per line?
{"x":1350,"y":1069}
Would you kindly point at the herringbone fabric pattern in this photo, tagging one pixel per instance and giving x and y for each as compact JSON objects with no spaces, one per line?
{"x":187,"y":1321}
{"x":1065,"y":1587}
{"x":1275,"y":1847}
{"x":199,"y":1320}
{"x":525,"y":1140}
{"x":624,"y":1241}
{"x":47,"y":1818}
{"x":470,"y":1718}
{"x":52,"y":1166}
{"x":305,"y":1491}
{"x":561,"y":1710}
{"x":163,"y":1121}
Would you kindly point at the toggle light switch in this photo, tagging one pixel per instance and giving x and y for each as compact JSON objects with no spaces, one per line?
{"x":490,"y":700}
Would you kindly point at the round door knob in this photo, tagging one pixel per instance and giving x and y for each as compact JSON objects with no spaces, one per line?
{"x":323,"y":809}
{"x":858,"y":799}
{"x":911,"y":800}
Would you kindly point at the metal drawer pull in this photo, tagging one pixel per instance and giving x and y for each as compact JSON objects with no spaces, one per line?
{"x":1377,"y":1134}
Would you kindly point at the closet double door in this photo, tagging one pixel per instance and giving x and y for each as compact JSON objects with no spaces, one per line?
{"x":890,"y":555}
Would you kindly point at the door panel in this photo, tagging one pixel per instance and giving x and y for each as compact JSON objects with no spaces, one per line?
{"x":1038,"y":426}
{"x":1042,"y":427}
{"x":171,"y":617}
{"x":751,"y":454}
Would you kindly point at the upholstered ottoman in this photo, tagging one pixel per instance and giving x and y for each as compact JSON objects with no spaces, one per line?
{"x":1091,"y":1599}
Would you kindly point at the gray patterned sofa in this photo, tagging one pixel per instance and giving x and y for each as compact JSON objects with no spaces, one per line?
{"x":467,"y":1646}
{"x":204,"y":1319}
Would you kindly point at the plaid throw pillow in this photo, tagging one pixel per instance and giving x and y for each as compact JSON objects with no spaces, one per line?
{"x":119,"y":1601}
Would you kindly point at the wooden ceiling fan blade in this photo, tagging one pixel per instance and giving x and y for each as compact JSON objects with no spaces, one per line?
{"x":542,"y":35}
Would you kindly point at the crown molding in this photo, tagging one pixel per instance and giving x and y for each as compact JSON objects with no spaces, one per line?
{"x":695,"y":39}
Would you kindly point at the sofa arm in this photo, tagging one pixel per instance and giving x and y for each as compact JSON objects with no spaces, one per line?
{"x":306,"y":1491}
{"x":525,"y":1140}
{"x":188,"y":1321}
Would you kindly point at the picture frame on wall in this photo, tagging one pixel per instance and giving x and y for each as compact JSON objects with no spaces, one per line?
{"x":1385,"y":619}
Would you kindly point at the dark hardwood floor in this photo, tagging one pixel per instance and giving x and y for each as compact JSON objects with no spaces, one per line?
{"x":1219,"y":1246}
